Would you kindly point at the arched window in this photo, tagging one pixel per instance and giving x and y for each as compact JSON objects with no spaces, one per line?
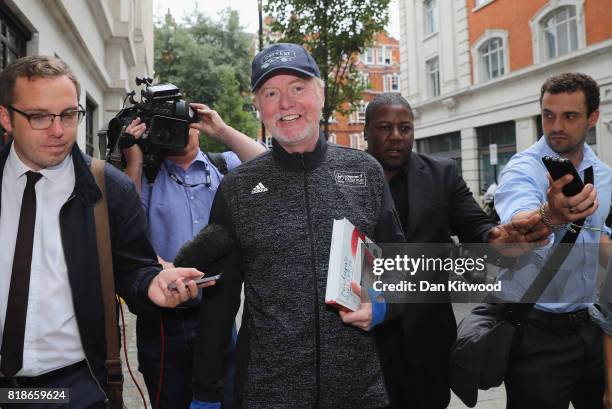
{"x":492,"y":58}
{"x":560,"y":32}
{"x":558,"y":29}
{"x":490,"y":55}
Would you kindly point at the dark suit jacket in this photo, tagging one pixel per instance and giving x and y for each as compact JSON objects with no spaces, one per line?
{"x":415,"y":348}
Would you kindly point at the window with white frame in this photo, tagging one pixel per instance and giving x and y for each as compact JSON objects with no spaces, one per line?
{"x":365,"y":79}
{"x":356,"y":140}
{"x":358,"y":116}
{"x":560,"y":32}
{"x":433,"y":77}
{"x":367,"y":57}
{"x":490,"y":55}
{"x":431,"y":16}
{"x":387,"y":55}
{"x":391,"y":83}
{"x":558,"y":29}
{"x":479,"y":3}
{"x":332,"y":138}
{"x":379,"y":56}
{"x":492,"y":59}
{"x":361,"y":112}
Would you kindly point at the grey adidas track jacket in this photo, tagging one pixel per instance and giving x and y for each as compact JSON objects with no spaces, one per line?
{"x":293,"y":350}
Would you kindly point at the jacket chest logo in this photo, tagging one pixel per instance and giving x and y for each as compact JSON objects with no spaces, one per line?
{"x":350,"y":179}
{"x":260,"y":188}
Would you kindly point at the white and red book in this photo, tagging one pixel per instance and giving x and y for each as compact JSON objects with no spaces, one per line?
{"x":348,"y":259}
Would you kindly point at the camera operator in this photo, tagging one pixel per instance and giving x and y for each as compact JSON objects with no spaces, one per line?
{"x":177,"y":205}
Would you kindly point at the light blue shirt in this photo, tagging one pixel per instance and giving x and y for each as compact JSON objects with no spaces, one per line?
{"x":522,"y":187}
{"x":175,"y":212}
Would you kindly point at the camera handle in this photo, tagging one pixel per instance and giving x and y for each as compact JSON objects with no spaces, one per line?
{"x":127,"y":140}
{"x":130,"y":95}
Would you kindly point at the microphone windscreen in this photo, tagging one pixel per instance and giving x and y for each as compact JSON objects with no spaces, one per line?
{"x":211,"y":244}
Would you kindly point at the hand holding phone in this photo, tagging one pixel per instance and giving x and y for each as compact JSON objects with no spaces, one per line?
{"x":559,"y":167}
{"x":199,"y":281}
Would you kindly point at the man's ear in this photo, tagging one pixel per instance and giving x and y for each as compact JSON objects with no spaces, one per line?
{"x":593,"y":118}
{"x":255,"y":103}
{"x":5,"y":119}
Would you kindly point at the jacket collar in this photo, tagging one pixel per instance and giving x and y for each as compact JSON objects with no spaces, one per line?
{"x":300,"y":162}
{"x":417,"y":184}
{"x":85,"y":188}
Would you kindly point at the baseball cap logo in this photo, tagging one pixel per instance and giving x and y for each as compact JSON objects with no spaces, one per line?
{"x":276,"y":57}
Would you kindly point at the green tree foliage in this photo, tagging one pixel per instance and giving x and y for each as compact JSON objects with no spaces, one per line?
{"x":334,"y":31}
{"x":210,"y":62}
{"x":229,"y":107}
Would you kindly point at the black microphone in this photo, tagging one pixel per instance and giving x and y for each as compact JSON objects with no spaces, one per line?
{"x":209,"y":246}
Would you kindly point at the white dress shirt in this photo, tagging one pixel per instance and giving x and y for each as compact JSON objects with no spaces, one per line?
{"x":52,"y":338}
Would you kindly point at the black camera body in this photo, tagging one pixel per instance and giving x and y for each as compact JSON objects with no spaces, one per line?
{"x":167,"y":117}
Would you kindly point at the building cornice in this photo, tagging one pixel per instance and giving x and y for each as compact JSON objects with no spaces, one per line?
{"x":113,"y":31}
{"x":59,"y":12}
{"x":534,"y":70}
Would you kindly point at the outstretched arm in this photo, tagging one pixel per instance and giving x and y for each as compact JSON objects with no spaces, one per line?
{"x":213,"y":125}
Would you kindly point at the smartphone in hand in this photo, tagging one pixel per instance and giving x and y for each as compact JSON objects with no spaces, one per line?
{"x":559,"y":167}
{"x":199,"y":281}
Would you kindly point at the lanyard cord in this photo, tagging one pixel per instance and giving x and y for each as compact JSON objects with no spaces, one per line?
{"x":207,"y":181}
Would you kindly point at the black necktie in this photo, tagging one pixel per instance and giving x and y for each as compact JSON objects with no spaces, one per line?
{"x":17,"y":306}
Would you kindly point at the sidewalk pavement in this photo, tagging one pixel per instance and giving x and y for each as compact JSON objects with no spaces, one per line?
{"x":491,"y":399}
{"x":131,"y":397}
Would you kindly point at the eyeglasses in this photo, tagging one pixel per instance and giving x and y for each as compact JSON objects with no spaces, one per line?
{"x":69,"y":119}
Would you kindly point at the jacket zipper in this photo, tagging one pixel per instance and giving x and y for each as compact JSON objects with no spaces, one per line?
{"x":316,"y":292}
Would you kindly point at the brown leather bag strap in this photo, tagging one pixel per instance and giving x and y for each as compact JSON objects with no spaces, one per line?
{"x":105,"y":257}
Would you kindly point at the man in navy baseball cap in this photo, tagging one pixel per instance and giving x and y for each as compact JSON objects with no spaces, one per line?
{"x":300,"y":172}
{"x":282,"y":57}
{"x":289,"y":94}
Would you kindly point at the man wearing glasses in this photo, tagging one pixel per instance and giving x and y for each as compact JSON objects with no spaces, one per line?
{"x":51,"y":304}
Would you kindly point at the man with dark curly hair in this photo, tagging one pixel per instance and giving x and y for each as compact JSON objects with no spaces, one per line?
{"x":557,"y":357}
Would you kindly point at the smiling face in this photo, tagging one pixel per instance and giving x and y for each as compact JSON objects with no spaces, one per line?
{"x":565,"y":123}
{"x":390,"y":135}
{"x":40,"y":149}
{"x":290,"y":108}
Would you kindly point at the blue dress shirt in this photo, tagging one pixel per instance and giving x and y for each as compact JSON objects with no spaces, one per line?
{"x":522,"y":187}
{"x":177,"y":212}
